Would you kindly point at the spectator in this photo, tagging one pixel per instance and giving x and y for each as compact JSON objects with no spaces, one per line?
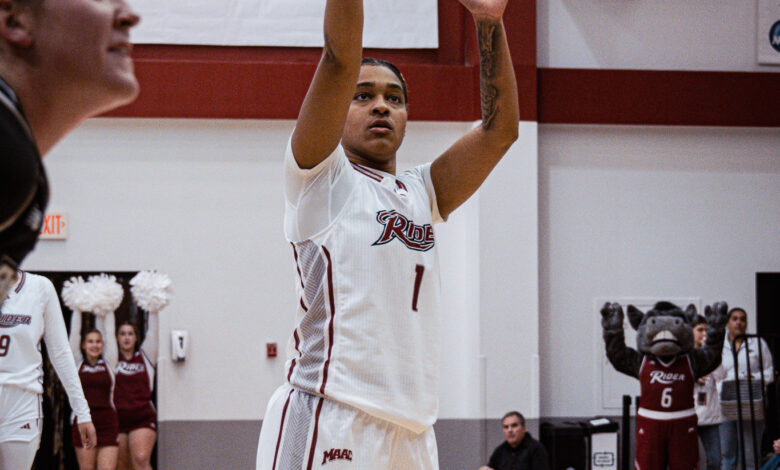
{"x":705,"y":395}
{"x":520,"y":451}
{"x":774,"y":460}
{"x":746,"y":349}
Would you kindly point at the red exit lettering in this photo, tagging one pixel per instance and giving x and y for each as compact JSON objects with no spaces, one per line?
{"x":54,"y":226}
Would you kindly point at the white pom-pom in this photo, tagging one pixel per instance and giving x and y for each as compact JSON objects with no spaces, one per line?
{"x":76,"y":294}
{"x":151,"y":290}
{"x":106,"y":294}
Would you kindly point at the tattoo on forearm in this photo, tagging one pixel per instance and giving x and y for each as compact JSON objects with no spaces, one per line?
{"x":488,"y":34}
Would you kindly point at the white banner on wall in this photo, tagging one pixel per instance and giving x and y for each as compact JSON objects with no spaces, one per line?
{"x":402,"y":24}
{"x":768,"y":31}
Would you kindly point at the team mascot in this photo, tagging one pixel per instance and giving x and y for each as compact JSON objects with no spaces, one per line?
{"x":667,"y":366}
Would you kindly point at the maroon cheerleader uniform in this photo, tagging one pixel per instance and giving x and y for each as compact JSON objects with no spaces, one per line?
{"x":98,"y":383}
{"x":133,"y":393}
{"x":666,"y":418}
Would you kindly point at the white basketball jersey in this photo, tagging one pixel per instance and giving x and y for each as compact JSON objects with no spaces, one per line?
{"x":368,"y":287}
{"x":31,"y":313}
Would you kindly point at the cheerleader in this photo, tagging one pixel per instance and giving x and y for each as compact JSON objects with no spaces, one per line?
{"x":135,"y":374}
{"x":101,"y":295}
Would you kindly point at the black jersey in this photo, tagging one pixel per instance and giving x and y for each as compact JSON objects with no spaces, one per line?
{"x":24,"y":190}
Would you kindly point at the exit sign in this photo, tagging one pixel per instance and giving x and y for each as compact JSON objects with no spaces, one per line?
{"x":55,"y":226}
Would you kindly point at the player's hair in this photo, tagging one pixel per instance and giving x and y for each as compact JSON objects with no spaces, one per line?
{"x":383,"y":63}
{"x":135,"y":330}
{"x":736,"y":309}
{"x":515,"y":413}
{"x":84,"y":338}
{"x":700,"y":320}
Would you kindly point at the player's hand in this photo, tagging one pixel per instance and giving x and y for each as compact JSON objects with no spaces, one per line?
{"x":88,"y":435}
{"x":485,"y":8}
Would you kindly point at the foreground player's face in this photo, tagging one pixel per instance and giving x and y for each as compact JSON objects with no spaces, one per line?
{"x":126,"y":337}
{"x":376,"y":122}
{"x":514,"y":432}
{"x":699,"y":334}
{"x":87,"y":45}
{"x":93,"y":345}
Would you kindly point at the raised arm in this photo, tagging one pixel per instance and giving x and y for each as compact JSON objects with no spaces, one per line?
{"x":74,"y":337}
{"x":324,"y":110}
{"x":107,"y":327}
{"x":459,"y":172}
{"x":707,"y":358}
{"x":151,"y":344}
{"x":56,"y":338}
{"x":622,"y":358}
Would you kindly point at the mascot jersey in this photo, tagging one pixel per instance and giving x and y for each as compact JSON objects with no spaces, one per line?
{"x":368,"y":288}
{"x":667,"y":388}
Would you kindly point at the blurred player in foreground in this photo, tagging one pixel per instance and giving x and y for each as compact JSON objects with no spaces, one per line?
{"x":61,"y":62}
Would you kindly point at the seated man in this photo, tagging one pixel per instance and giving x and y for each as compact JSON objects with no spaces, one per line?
{"x":520,"y":451}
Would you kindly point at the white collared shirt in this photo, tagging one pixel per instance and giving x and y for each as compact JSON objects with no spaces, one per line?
{"x":749,"y":349}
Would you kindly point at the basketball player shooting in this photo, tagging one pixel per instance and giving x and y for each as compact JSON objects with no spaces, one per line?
{"x":362,"y":371}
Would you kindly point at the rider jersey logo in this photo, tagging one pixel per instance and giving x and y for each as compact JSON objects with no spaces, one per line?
{"x":666,"y":378}
{"x":396,"y":226}
{"x":10,"y":320}
{"x":130,"y":368}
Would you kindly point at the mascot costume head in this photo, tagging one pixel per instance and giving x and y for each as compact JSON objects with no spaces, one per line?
{"x":665,"y":330}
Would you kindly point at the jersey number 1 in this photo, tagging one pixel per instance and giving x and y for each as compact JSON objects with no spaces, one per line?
{"x":419,"y":269}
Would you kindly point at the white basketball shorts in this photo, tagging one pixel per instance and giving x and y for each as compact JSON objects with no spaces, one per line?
{"x":305,"y":432}
{"x":20,"y":414}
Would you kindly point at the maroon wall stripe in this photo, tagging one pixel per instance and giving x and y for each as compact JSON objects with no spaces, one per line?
{"x":221,"y":89}
{"x":655,"y":97}
{"x":270,"y":83}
